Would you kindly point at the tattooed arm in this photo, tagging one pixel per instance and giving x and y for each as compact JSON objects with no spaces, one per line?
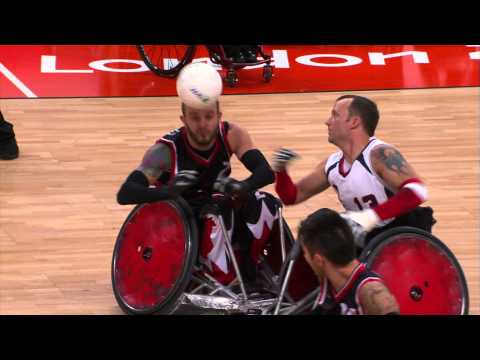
{"x":156,"y":160}
{"x":376,"y":299}
{"x":391,"y":166}
{"x":399,"y":176}
{"x":135,"y":189}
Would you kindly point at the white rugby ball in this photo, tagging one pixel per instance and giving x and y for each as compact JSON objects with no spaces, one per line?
{"x":199,"y":85}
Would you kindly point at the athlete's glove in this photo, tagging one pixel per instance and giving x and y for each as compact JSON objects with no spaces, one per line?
{"x":182,"y":181}
{"x":281,"y":158}
{"x":230,"y":186}
{"x":361,"y":222}
{"x":367,"y":219}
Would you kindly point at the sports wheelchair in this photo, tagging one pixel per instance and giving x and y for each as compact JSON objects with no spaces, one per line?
{"x":155,"y":269}
{"x":168,"y":60}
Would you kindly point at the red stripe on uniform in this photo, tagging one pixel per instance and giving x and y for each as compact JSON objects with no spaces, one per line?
{"x":351,"y":280}
{"x":173,"y":152}
{"x":225,"y":137}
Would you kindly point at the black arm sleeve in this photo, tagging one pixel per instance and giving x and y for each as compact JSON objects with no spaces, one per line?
{"x":135,"y":190}
{"x":262,"y":173}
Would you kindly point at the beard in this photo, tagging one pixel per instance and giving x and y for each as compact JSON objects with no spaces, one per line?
{"x":202,"y":139}
{"x":332,"y":140}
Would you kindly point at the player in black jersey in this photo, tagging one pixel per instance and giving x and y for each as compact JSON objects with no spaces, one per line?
{"x":194,"y":162}
{"x":347,"y":287}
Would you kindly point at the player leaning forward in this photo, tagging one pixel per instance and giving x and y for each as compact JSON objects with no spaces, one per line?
{"x":193,"y":162}
{"x":373,"y":181}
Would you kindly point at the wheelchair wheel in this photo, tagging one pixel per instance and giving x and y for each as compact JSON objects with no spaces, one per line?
{"x":154,"y":256}
{"x":419,"y":270}
{"x":162,"y":59}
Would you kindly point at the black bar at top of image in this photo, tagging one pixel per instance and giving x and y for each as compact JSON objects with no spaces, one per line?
{"x":272,"y":23}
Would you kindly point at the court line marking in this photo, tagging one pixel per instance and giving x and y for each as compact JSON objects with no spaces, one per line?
{"x":17,"y":82}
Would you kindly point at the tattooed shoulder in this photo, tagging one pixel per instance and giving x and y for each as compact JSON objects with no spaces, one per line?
{"x":391,"y":159}
{"x":377,"y":300}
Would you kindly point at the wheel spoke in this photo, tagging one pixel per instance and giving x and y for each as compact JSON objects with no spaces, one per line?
{"x":171,"y":58}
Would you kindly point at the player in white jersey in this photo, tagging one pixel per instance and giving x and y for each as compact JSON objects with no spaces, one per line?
{"x":375,"y":184}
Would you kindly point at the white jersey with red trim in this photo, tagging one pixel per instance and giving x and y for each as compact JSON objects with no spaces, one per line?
{"x":357,"y":185}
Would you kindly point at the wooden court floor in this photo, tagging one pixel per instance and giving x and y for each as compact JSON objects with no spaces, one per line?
{"x":58,"y":213}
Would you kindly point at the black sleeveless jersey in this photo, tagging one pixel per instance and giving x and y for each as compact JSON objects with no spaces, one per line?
{"x":346,"y":300}
{"x":184,"y":157}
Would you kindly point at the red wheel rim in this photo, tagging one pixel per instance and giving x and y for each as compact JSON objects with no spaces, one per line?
{"x":151,"y":256}
{"x":420,"y":275}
